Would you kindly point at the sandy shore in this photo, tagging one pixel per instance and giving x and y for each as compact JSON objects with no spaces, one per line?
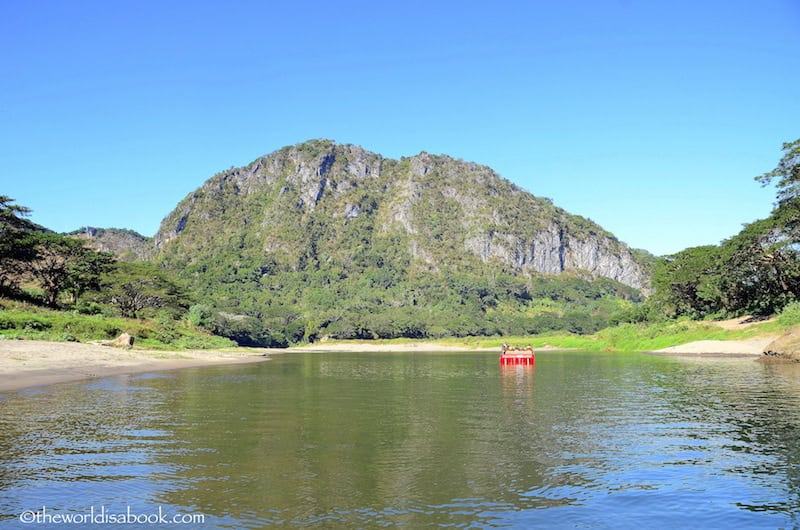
{"x":27,"y":363}
{"x":718,"y":348}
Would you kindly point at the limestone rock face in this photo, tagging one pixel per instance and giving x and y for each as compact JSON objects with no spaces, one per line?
{"x":319,"y":202}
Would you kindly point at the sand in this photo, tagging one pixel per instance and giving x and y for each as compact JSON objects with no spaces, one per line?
{"x":719,"y":348}
{"x":28,"y":363}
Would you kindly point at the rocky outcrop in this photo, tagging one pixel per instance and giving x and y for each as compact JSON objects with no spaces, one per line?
{"x":123,"y":341}
{"x":786,"y":347}
{"x":127,"y":245}
{"x":554,"y":250}
{"x":438,"y":208}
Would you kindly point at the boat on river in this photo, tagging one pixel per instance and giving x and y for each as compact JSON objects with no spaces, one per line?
{"x":516,"y":356}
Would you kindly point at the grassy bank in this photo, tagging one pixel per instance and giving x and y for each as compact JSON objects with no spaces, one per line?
{"x":623,"y":338}
{"x":25,"y":321}
{"x":635,"y":337}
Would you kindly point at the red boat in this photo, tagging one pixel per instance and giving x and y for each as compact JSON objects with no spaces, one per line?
{"x":510,"y":357}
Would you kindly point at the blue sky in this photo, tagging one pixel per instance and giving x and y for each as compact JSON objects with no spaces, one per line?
{"x":650,"y":118}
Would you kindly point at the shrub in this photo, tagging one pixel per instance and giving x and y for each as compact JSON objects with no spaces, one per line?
{"x":790,"y":316}
{"x":200,"y":315}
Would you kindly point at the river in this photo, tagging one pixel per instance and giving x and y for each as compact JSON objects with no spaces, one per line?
{"x":412,"y":440}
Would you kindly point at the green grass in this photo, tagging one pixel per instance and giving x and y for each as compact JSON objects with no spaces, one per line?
{"x":25,"y":321}
{"x":631,"y":337}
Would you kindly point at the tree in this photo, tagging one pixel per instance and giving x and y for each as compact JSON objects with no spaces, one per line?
{"x":761,"y":269}
{"x":135,"y":287}
{"x":688,"y":282}
{"x":16,"y":243}
{"x":86,"y":270}
{"x":134,"y":296}
{"x":62,"y":264}
{"x":51,"y":267}
{"x":787,"y":173}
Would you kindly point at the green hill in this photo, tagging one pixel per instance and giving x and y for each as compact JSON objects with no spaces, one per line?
{"x":321,"y":239}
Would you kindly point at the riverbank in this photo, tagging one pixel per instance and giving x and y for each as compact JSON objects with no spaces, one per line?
{"x":718,"y":348}
{"x":29,"y":363}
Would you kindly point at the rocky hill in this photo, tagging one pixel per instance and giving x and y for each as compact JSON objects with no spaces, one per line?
{"x":319,"y":203}
{"x":324,"y":240}
{"x":126,"y":244}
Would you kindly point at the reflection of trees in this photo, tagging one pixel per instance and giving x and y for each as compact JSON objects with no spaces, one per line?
{"x":357,"y":440}
{"x":341,"y":435}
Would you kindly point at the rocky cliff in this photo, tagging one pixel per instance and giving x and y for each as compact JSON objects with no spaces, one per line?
{"x":127,"y":245}
{"x":318,"y":203}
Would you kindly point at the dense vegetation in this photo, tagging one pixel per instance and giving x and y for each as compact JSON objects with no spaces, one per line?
{"x":53,"y":287}
{"x":322,"y":241}
{"x":756,"y":272}
{"x":71,"y":292}
{"x":290,"y":307}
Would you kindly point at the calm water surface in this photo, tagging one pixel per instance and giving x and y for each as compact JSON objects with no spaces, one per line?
{"x":416,"y":441}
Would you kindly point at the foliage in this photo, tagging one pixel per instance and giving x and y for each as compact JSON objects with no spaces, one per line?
{"x":63,"y":265}
{"x":688,"y":283}
{"x":754,"y":272}
{"x":16,"y":244}
{"x":200,"y":315}
{"x":761,"y":270}
{"x":790,"y":316}
{"x":787,"y":175}
{"x":141,"y":289}
{"x":24,"y":321}
{"x":641,"y":337}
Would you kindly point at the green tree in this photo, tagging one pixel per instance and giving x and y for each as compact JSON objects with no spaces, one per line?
{"x":16,"y":243}
{"x":761,"y":269}
{"x":133,"y":288}
{"x":63,"y":264}
{"x":688,"y":283}
{"x":787,"y":175}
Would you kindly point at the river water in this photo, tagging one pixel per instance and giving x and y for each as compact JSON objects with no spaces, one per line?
{"x":412,"y":440}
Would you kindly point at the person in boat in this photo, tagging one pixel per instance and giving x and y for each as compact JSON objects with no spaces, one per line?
{"x":504,"y":348}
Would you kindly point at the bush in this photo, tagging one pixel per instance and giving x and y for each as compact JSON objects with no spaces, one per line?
{"x":200,"y":315}
{"x":35,"y":325}
{"x":90,"y":308}
{"x":790,"y":316}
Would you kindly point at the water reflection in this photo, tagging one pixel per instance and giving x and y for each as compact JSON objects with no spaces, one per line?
{"x":419,"y":440}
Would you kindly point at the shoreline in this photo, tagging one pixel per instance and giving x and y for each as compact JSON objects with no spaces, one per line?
{"x":717,"y":349}
{"x":30,"y":363}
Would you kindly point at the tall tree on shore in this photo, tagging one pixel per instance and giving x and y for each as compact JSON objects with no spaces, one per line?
{"x":16,"y":242}
{"x":787,"y":174}
{"x":63,"y":265}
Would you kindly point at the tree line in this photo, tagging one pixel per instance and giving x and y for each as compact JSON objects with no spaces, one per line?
{"x":755,"y":272}
{"x":61,"y":272}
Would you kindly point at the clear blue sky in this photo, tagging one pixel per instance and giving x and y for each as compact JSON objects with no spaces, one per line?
{"x":651,"y":118}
